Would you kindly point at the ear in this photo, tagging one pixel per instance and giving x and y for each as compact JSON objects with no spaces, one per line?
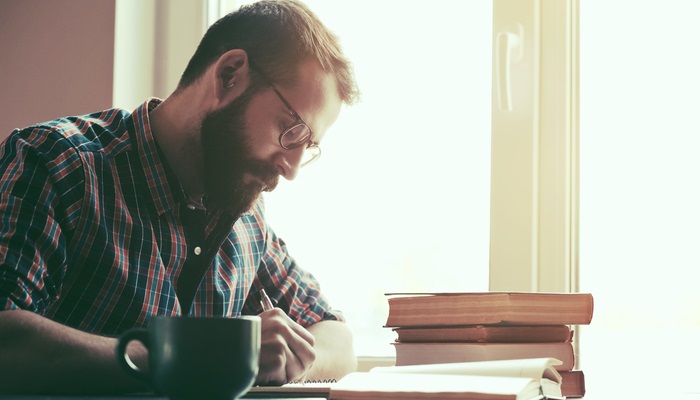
{"x":230,"y":77}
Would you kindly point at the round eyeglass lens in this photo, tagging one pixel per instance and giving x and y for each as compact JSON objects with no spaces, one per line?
{"x":295,"y":136}
{"x":310,"y":154}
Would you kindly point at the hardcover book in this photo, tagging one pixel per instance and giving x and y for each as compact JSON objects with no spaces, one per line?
{"x":488,"y":308}
{"x":450,"y":352}
{"x":485,"y":333}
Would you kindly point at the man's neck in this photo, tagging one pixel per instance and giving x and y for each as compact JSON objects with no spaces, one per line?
{"x":176,"y":130}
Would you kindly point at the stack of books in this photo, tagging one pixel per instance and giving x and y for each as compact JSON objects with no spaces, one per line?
{"x":435,"y":328}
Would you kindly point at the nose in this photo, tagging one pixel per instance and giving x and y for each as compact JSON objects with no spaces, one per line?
{"x":289,"y":161}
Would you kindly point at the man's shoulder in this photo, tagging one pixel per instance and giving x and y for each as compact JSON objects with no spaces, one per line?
{"x":104,"y":131}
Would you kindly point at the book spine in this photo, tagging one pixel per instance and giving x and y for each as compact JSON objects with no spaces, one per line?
{"x":486,"y":334}
{"x":573,"y":383}
{"x":437,"y":353}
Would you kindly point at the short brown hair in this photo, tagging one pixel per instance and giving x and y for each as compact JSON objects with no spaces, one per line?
{"x":277,"y":35}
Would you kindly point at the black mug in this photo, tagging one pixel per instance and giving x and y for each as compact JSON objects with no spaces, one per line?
{"x":197,"y":358}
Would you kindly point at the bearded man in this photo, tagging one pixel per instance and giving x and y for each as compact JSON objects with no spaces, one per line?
{"x":110,"y":219}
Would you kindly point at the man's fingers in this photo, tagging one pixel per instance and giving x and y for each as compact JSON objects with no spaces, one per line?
{"x":287,"y":350}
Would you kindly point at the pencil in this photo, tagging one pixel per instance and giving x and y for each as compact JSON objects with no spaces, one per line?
{"x":265,"y":301}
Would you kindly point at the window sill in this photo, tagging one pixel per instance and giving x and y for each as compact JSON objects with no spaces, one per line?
{"x":365,"y":363}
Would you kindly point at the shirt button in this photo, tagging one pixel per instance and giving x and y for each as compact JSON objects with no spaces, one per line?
{"x":197,"y":250}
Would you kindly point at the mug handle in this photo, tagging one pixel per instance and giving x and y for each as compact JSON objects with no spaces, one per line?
{"x":133,"y":334}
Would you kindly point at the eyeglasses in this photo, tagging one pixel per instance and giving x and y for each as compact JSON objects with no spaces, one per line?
{"x":299,"y":133}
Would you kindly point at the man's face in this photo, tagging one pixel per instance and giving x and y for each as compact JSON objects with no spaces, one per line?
{"x":241,"y":152}
{"x":228,"y":159}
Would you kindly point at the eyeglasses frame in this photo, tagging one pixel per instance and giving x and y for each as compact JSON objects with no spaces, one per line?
{"x":312,"y":147}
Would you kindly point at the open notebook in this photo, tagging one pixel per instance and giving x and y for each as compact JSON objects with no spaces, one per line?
{"x":527,"y":379}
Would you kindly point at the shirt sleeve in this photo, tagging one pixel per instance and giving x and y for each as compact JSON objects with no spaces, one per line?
{"x":32,"y":245}
{"x":290,"y":287}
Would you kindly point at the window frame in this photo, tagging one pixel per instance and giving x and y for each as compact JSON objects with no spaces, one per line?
{"x":535,"y":166}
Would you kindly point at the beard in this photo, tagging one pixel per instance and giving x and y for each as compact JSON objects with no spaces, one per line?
{"x":227,"y":159}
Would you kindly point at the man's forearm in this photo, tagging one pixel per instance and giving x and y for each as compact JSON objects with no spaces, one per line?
{"x":38,"y":355}
{"x":335,"y":356}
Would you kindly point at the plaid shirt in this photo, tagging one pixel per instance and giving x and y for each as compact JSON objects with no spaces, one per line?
{"x":91,"y":233}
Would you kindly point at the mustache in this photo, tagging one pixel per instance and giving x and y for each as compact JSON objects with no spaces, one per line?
{"x":271,"y":184}
{"x":265,"y":172}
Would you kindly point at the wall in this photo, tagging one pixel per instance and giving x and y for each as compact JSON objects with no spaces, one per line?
{"x":56,"y":59}
{"x":154,"y":41}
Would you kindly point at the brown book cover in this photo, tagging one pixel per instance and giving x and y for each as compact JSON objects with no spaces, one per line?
{"x":488,"y":308}
{"x":485,"y":333}
{"x":451,"y":352}
{"x":573,"y":383}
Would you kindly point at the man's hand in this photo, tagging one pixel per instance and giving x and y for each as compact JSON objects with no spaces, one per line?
{"x":287,"y":350}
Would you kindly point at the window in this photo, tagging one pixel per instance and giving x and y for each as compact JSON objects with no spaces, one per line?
{"x":399,"y":201}
{"x":639,"y":202}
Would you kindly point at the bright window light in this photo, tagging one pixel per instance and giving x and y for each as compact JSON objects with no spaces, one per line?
{"x":399,"y":201}
{"x":639,"y":199}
